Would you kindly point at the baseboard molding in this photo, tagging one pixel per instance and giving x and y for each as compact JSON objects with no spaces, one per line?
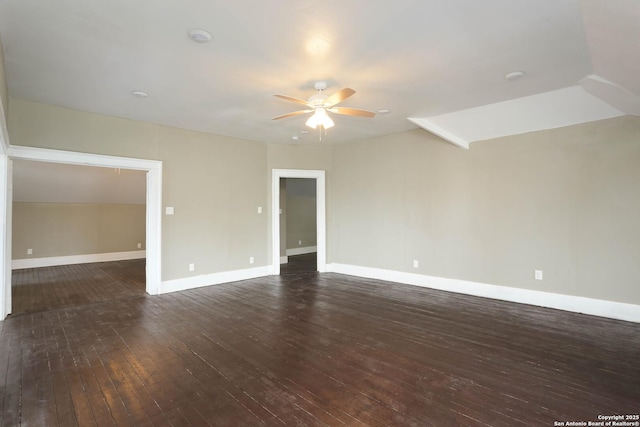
{"x":284,"y":259}
{"x":302,"y":251}
{"x":591,"y":306}
{"x":17,"y":264}
{"x":199,"y":281}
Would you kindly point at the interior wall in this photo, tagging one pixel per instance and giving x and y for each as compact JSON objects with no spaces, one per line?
{"x":62,"y":229}
{"x":301,"y":224}
{"x":564,"y":201}
{"x":214,"y":183}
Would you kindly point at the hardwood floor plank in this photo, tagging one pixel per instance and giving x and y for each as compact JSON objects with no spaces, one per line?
{"x":41,"y":289}
{"x":304,"y":349}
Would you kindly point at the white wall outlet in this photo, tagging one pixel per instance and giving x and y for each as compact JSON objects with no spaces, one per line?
{"x":192,"y":267}
{"x":280,"y":211}
{"x":251,"y":260}
{"x":259,"y":209}
{"x":299,"y":242}
{"x":416,"y":264}
{"x":29,"y":251}
{"x":537,"y":274}
{"x":139,"y":245}
{"x":169,"y":210}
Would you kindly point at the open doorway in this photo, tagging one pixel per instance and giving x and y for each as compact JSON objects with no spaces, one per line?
{"x":317,"y":179}
{"x":78,"y":235}
{"x":153,"y":169}
{"x":298,"y":226}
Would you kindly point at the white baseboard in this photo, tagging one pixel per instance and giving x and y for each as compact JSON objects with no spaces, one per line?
{"x":17,"y":264}
{"x":284,"y":259}
{"x":592,"y":306}
{"x":302,"y":251}
{"x":183,"y":284}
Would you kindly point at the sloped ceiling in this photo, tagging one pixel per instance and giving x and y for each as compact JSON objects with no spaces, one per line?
{"x":60,"y":183}
{"x":421,"y":59}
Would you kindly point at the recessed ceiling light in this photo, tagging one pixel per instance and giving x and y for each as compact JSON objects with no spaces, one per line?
{"x":304,"y":132}
{"x":139,"y":94}
{"x":295,"y":137}
{"x":384,"y":111}
{"x":514,"y":75}
{"x":200,"y":36}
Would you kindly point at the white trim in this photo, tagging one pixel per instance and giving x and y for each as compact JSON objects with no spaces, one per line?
{"x":212,"y":279}
{"x":443,"y":133}
{"x":6,"y":207}
{"x":284,"y":259}
{"x":154,"y":196}
{"x":321,"y":226}
{"x":302,"y":251}
{"x":17,"y":264}
{"x":595,"y":307}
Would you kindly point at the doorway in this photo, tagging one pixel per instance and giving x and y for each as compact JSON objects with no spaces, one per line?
{"x":298,"y":227}
{"x":319,"y":177}
{"x":78,"y":235}
{"x":153,"y":206}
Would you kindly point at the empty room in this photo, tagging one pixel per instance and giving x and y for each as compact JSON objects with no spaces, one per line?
{"x":362,"y":213}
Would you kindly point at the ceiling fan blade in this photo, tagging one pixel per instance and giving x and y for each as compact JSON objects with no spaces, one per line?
{"x":339,"y":96}
{"x":295,"y":113}
{"x":292,"y":99}
{"x":352,"y":112}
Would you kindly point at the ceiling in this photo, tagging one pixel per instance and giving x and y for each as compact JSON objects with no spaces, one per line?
{"x":441,"y":64}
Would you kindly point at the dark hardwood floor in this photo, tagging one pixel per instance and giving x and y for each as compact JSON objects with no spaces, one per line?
{"x":46,"y":288}
{"x":300,"y":264}
{"x":314,"y":349}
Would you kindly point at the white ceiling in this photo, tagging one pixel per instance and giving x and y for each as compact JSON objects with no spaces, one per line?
{"x":422,"y":59}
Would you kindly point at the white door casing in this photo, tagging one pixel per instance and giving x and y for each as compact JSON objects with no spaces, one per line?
{"x":154,"y":205}
{"x":319,"y":176}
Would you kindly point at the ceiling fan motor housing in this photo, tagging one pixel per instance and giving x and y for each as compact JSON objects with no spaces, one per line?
{"x":318,"y":100}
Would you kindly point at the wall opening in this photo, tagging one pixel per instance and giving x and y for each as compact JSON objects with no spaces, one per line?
{"x":320,"y":215}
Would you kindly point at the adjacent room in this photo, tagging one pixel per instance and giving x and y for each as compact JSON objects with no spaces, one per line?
{"x":78,"y":235}
{"x":408,"y":213}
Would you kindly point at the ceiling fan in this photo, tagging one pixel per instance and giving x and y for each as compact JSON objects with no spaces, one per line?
{"x":321,"y":104}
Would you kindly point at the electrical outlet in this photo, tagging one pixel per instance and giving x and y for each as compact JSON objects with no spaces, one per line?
{"x":139,"y":245}
{"x":299,"y":242}
{"x":416,"y":264}
{"x":259,"y":209}
{"x":29,"y":251}
{"x":169,"y":210}
{"x":537,"y":275}
{"x":251,"y":260}
{"x":192,"y":267}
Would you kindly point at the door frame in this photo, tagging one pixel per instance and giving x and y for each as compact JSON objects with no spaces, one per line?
{"x":321,"y":226}
{"x":153,"y":210}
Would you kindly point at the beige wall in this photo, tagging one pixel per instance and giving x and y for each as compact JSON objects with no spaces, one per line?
{"x":215,"y":183}
{"x":565,"y":201}
{"x":61,"y":229}
{"x":301,"y":212}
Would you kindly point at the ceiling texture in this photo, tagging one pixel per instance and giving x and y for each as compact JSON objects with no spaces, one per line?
{"x":440,"y":65}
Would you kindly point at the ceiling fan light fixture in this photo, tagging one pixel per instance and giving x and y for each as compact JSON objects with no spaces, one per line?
{"x":320,"y":118}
